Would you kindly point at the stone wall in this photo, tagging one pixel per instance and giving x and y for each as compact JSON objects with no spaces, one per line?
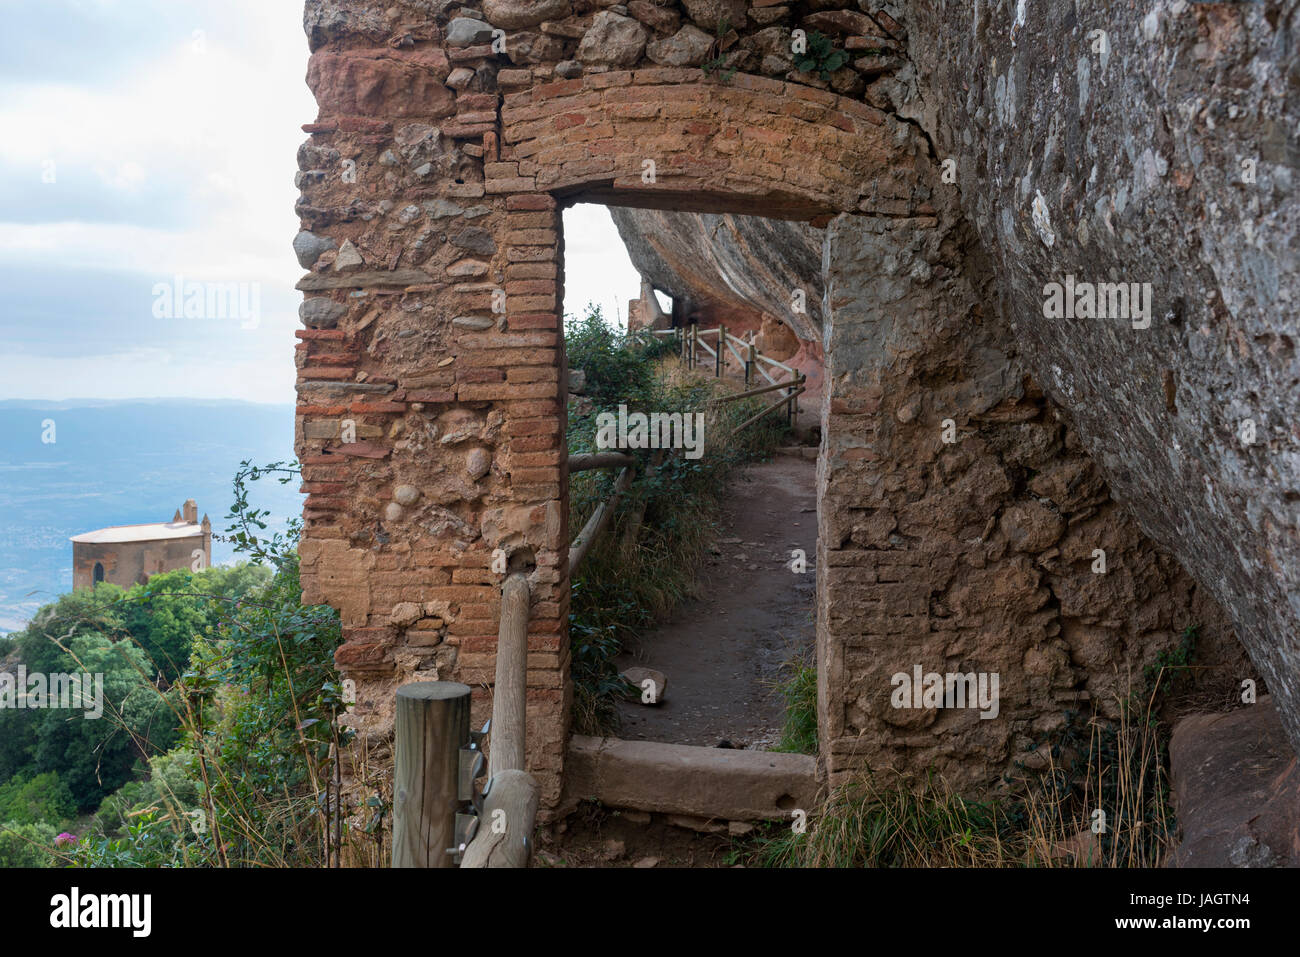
{"x":960,"y":523}
{"x":431,"y":417}
{"x":130,"y":563}
{"x":974,"y":554}
{"x":1148,"y":142}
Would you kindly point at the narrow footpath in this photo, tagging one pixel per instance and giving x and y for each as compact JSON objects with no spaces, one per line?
{"x":722,"y":652}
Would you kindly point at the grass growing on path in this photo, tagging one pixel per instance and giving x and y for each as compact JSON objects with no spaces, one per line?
{"x":799,"y":690}
{"x":1047,"y":819}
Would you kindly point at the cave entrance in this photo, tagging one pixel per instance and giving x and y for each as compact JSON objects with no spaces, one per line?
{"x":734,"y":640}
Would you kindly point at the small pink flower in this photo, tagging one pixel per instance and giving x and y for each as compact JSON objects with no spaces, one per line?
{"x":64,"y":839}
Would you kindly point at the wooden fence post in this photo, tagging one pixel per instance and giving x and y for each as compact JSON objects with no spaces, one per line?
{"x":430,"y":727}
{"x":720,"y":362}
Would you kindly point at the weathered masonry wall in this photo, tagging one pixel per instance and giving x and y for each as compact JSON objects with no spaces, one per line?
{"x":431,"y":403}
{"x":1153,"y":142}
{"x":960,"y":522}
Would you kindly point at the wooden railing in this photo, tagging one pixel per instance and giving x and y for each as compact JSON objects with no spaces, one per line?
{"x":750,"y":363}
{"x":510,"y":797}
{"x":750,"y":360}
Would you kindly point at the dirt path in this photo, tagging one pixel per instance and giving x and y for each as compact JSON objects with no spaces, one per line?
{"x":722,"y":653}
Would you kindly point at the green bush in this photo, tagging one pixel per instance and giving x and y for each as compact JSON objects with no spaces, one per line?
{"x":219,"y":736}
{"x":40,"y":799}
{"x":167,"y":614}
{"x":251,"y":782}
{"x":821,"y":57}
{"x":83,"y":633}
{"x":139,"y":639}
{"x":799,"y":689}
{"x":26,"y":845}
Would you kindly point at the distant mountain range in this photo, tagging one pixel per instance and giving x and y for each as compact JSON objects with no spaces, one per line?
{"x":122,"y":463}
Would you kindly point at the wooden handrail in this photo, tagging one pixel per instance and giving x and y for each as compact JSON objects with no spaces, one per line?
{"x":510,"y":798}
{"x":691,"y":343}
{"x":771,"y":361}
{"x":599,"y":520}
{"x":510,"y":789}
{"x":731,"y":340}
{"x":775,"y":405}
{"x":752,"y":392}
{"x":585,"y":461}
{"x":508,"y":693}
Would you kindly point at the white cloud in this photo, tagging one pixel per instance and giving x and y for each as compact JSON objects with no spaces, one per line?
{"x":214,"y":132}
{"x":144,"y":250}
{"x":193,"y":155}
{"x":147,"y":373}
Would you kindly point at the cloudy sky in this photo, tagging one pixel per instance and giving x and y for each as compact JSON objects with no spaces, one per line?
{"x":146,"y":140}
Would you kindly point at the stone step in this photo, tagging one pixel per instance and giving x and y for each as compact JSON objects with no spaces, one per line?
{"x":712,"y":783}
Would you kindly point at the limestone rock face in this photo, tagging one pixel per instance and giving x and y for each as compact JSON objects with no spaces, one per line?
{"x":1237,"y":788}
{"x":1150,"y":143}
{"x":1086,"y":149}
{"x":729,"y":260}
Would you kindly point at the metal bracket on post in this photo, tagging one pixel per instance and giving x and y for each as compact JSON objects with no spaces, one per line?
{"x":466,"y":828}
{"x":472,"y":765}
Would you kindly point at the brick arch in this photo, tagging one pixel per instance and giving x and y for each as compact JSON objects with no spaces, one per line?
{"x":430,"y":419}
{"x":749,"y":145}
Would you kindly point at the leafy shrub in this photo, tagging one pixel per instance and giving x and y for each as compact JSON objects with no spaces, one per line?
{"x":26,"y":845}
{"x":254,"y":781}
{"x":83,"y":632}
{"x":821,"y":57}
{"x":43,"y":798}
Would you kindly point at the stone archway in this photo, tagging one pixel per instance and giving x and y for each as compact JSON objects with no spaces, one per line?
{"x":431,"y":410}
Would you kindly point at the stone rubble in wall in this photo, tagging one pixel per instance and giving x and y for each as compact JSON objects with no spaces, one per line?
{"x":426,"y":206}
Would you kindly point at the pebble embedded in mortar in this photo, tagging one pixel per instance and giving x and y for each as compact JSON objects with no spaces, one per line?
{"x":477,"y":463}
